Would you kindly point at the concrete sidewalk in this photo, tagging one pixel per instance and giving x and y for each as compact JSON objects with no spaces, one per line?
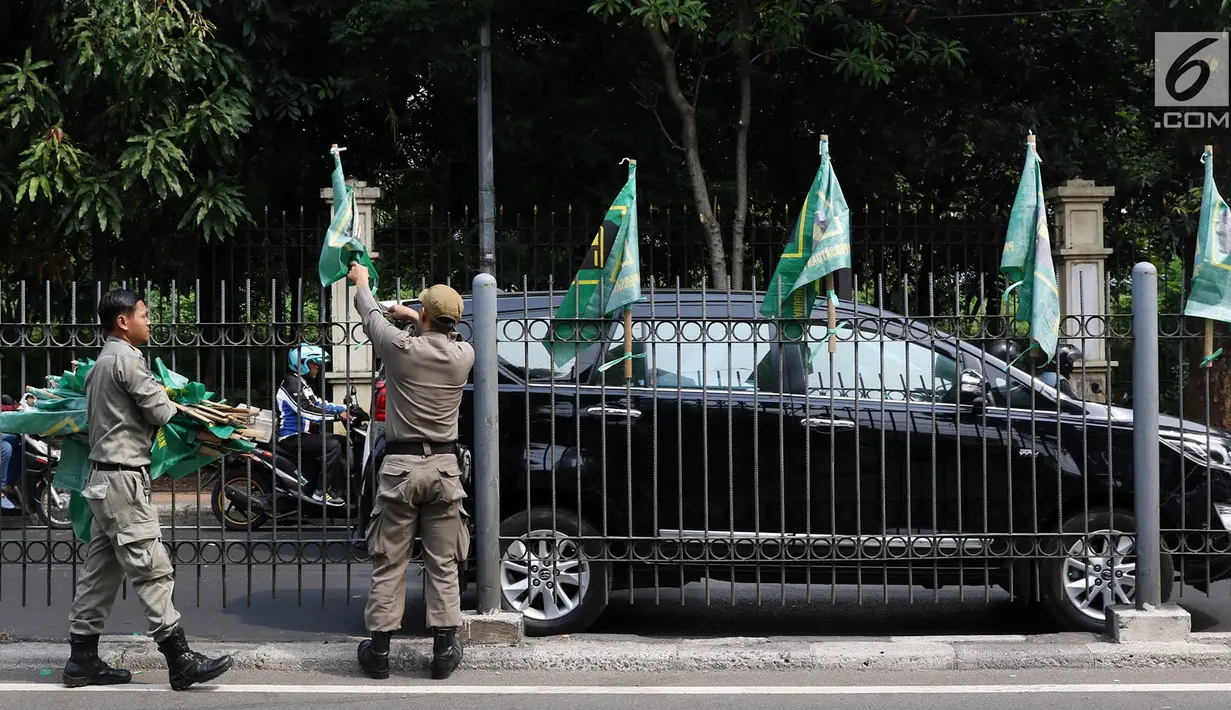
{"x":184,"y":508}
{"x":642,"y":655}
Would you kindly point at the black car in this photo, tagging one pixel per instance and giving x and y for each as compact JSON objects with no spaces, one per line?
{"x":905,"y":457}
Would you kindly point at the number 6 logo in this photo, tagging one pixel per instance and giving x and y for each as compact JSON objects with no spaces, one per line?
{"x":1190,"y":69}
{"x":1183,"y":64}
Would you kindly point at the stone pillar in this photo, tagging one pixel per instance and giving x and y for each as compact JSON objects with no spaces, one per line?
{"x":342,"y":311}
{"x":1080,"y":256}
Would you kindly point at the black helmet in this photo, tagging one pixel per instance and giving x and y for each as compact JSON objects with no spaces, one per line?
{"x":1067,"y":358}
{"x":1005,"y":349}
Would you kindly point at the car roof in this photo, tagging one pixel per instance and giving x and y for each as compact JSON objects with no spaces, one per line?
{"x":666,"y":303}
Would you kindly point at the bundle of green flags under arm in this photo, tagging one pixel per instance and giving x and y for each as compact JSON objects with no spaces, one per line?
{"x":1027,"y":261}
{"x":201,"y":431}
{"x":819,"y":246}
{"x":342,"y":245}
{"x":1209,"y":295}
{"x":608,"y":282}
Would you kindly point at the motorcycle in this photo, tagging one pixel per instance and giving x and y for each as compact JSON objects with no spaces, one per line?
{"x":38,"y":492}
{"x":249,"y":491}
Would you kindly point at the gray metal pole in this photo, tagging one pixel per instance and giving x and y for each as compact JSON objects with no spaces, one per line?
{"x":1145,"y":432}
{"x":487,"y":169}
{"x":487,"y":444}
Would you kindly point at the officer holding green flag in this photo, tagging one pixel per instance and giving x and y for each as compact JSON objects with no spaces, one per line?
{"x":126,"y":407}
{"x":342,"y":245}
{"x":1027,"y":259}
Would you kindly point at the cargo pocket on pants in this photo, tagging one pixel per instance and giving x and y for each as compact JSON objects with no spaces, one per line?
{"x":140,"y":546}
{"x":372,"y":538}
{"x":462,"y":551}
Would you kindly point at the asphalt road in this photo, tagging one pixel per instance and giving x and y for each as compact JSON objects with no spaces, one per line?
{"x":965,"y":690}
{"x":307,"y":602}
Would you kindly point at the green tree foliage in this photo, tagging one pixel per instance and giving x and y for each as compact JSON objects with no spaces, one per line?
{"x":697,"y":42}
{"x":115,"y":109}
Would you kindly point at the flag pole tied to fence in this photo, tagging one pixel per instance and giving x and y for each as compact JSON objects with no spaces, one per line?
{"x":1209,"y":296}
{"x":811,"y":255}
{"x":1027,"y":260}
{"x":608,"y":282}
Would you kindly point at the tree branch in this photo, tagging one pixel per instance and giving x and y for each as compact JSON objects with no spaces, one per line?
{"x":652,"y":107}
{"x":767,"y":50}
{"x":666,"y":56}
{"x":696,"y":85}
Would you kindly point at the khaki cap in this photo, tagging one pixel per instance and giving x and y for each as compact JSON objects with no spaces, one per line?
{"x":441,"y":303}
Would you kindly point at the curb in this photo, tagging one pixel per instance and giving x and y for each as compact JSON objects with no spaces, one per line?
{"x":597,"y":654}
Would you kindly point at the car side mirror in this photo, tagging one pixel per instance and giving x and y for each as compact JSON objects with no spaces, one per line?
{"x":974,"y":389}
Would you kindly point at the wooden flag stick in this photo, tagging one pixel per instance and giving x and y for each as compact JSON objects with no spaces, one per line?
{"x":628,"y":344}
{"x":1209,"y":343}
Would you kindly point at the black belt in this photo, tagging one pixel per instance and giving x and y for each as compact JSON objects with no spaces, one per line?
{"x":116,"y":467}
{"x":420,"y":448}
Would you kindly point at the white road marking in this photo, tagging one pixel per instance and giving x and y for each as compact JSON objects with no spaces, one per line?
{"x":635,"y":690}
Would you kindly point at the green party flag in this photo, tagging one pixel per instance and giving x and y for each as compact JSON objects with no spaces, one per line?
{"x":820,"y":245}
{"x":60,"y":411}
{"x":342,"y":245}
{"x":609,"y":278}
{"x":1210,"y":293}
{"x":1027,"y":262}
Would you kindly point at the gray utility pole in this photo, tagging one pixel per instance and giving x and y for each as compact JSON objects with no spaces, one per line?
{"x":487,"y":170}
{"x":487,"y":425}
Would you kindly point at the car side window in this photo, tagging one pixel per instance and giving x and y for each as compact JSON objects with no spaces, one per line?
{"x":911,"y":371}
{"x":691,"y":354}
{"x":524,"y":348}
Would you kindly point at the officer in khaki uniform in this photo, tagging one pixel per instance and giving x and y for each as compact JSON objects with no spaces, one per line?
{"x":420,"y":481}
{"x":126,"y":406}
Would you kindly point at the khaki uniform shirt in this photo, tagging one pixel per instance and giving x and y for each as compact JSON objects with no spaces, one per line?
{"x":424,"y":376}
{"x":126,"y":406}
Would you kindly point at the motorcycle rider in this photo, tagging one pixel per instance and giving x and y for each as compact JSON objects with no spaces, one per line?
{"x":303,"y":414}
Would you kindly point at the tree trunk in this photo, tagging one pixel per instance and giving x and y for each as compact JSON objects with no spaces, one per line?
{"x":692,"y":157}
{"x":744,"y":72}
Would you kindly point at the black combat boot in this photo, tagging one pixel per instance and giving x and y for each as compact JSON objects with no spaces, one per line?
{"x":187,"y":667}
{"x":84,"y":667}
{"x":446,"y":652}
{"x":374,"y":655}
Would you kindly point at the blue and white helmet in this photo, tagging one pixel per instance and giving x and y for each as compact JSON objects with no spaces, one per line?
{"x":300,"y":357}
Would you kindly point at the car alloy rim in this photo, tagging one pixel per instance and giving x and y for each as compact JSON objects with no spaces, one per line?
{"x":544,"y":575}
{"x":1100,"y":572}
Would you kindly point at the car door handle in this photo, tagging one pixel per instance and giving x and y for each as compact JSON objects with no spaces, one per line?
{"x":822,"y":423}
{"x":599,"y":410}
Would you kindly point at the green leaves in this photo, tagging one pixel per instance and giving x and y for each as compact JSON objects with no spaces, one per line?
{"x":151,"y":99}
{"x":217,"y":208}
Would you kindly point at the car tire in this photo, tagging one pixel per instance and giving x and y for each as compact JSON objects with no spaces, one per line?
{"x":1063,"y":601}
{"x":527,"y":539}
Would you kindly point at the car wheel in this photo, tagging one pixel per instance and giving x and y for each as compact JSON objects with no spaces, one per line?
{"x":547,"y":576}
{"x":1096,"y":570}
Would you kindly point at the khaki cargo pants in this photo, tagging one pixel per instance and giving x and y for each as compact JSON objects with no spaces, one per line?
{"x":125,"y":539}
{"x":423,"y":492}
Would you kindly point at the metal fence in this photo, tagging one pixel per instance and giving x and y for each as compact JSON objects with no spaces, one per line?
{"x":895,"y":451}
